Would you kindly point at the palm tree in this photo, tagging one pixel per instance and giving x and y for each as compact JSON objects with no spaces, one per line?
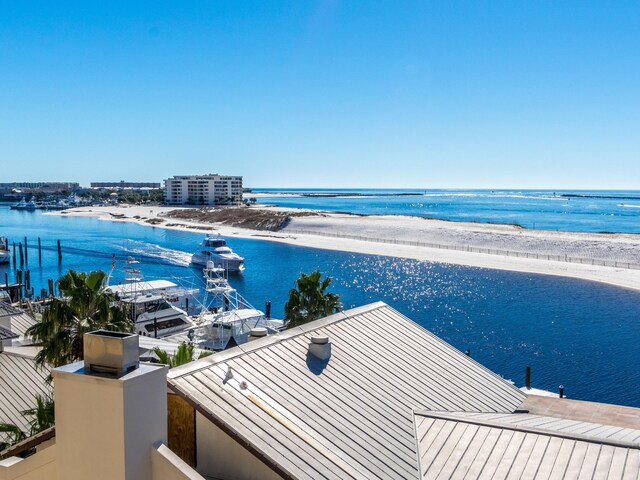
{"x":42,"y":418}
{"x":42,"y":415}
{"x":12,"y":435}
{"x":309,"y":300}
{"x":184,"y":354}
{"x":85,"y":306}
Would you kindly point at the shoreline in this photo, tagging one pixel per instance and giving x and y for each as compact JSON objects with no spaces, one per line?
{"x":324,"y":230}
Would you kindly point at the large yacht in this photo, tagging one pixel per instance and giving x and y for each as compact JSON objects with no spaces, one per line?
{"x":153,"y":305}
{"x":154,"y":316}
{"x":214,"y":249}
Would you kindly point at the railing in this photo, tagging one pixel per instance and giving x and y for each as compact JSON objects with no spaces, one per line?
{"x":461,"y":248}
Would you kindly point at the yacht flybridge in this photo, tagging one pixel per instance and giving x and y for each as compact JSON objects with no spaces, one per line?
{"x":214,"y":249}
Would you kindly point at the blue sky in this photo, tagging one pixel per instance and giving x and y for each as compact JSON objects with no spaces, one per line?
{"x":489,"y":94}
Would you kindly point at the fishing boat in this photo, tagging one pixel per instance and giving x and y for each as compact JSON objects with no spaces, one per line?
{"x":230,"y":319}
{"x":154,"y":316}
{"x":214,"y":249}
{"x":157,"y":307}
{"x":4,"y":250}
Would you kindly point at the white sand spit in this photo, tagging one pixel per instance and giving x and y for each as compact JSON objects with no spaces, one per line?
{"x":432,"y":240}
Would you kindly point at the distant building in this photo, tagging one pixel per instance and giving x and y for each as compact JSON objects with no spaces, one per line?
{"x":125,"y":185}
{"x":212,"y":189}
{"x":47,"y":187}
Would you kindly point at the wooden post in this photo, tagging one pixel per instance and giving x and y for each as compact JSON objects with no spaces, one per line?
{"x":19,"y":282}
{"x":21,"y":254}
{"x":50,"y":285}
{"x":267,"y":310}
{"x":14,"y":254}
{"x":468,"y":352}
{"x":26,"y":251}
{"x":27,"y":281}
{"x":59,"y":252}
{"x":561,"y":393}
{"x":527,"y":377}
{"x":39,"y":251}
{"x":6,"y":244}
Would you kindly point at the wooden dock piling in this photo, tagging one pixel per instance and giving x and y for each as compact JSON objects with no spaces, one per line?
{"x":39,"y":251}
{"x":26,"y":251}
{"x":19,"y":283}
{"x":59,"y":252}
{"x":50,"y":285}
{"x":21,"y":254}
{"x":14,"y":254}
{"x":527,"y":377}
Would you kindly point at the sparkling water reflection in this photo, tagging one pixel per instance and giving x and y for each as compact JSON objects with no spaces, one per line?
{"x":581,"y":334}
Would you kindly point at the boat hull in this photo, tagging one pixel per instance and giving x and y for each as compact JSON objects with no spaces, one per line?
{"x":4,"y":256}
{"x":229,"y":264}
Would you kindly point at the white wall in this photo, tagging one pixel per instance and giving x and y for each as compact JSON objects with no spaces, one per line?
{"x":222,"y":457}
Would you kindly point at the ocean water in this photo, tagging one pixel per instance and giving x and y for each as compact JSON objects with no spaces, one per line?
{"x":571,"y":210}
{"x":580,"y":334}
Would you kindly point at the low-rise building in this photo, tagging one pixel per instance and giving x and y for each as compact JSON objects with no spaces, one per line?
{"x":122,"y":185}
{"x":209,"y":190}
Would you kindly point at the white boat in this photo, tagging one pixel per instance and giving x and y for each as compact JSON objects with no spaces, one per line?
{"x":214,"y":249}
{"x":23,"y":205}
{"x":154,"y":316}
{"x":185,"y":298}
{"x":231,"y":320}
{"x":5,"y":255}
{"x":154,"y":305}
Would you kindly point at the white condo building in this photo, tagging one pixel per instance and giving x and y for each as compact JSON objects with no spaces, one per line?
{"x":211,"y":189}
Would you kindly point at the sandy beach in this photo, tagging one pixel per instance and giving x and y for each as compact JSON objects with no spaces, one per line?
{"x":607,"y":258}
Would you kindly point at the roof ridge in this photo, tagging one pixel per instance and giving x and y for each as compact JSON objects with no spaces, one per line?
{"x":270,"y":340}
{"x":451,"y":416}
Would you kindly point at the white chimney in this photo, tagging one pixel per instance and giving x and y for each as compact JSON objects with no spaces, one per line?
{"x":320,"y":347}
{"x":109,"y":411}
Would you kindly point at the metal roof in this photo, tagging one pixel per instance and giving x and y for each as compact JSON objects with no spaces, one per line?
{"x":20,"y":382}
{"x":350,"y":416}
{"x":7,"y":309}
{"x":20,"y":322}
{"x":7,"y":334}
{"x":523,"y":446}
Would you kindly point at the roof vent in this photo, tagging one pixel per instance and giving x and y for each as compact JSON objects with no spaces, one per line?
{"x":320,"y":347}
{"x":257,"y":332}
{"x":110,"y":353}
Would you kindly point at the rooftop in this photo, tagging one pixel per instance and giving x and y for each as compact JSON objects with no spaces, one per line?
{"x":20,"y":382}
{"x":468,"y":445}
{"x":351,"y":416}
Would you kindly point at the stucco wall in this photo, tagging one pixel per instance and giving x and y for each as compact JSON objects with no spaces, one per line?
{"x":166,"y":465}
{"x":222,"y":457}
{"x":39,"y":466}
